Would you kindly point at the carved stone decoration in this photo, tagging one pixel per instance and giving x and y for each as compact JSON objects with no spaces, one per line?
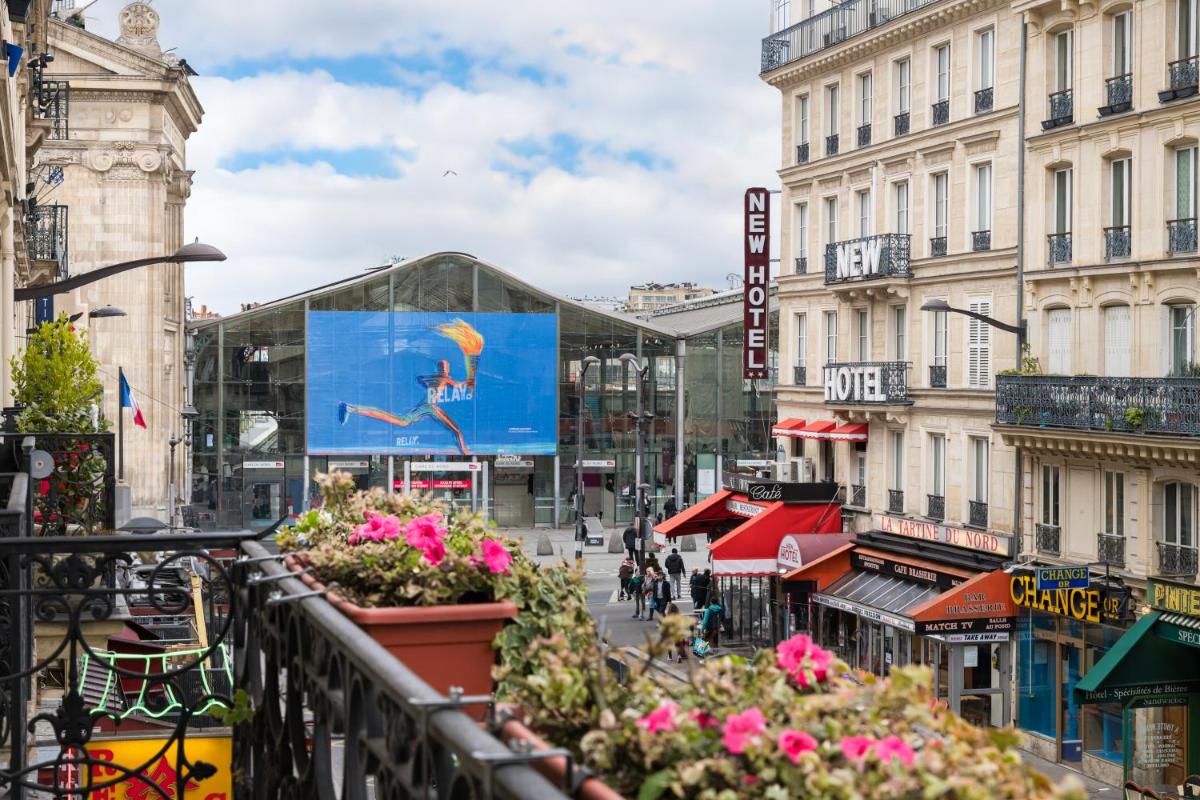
{"x":126,"y":161}
{"x":139,"y":27}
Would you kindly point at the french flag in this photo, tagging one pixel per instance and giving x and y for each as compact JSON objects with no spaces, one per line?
{"x":129,"y":401}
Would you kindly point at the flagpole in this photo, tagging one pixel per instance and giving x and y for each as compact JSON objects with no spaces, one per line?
{"x":120,"y":423}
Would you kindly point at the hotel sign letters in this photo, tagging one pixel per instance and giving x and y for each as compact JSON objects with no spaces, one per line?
{"x":857,"y":383}
{"x":1087,"y":605}
{"x":981,"y":541}
{"x":756,"y":280}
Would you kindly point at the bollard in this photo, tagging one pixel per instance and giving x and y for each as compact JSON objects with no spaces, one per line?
{"x":616,"y":544}
{"x":689,"y":544}
{"x":544,"y":546}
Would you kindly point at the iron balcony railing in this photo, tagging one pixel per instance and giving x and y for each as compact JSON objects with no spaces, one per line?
{"x":937,"y":376}
{"x":1061,"y":110}
{"x":1110,"y":549}
{"x":1169,"y":406}
{"x":1176,"y":560}
{"x":935,"y":506}
{"x":940,"y":113}
{"x":981,"y":240}
{"x":895,"y":501}
{"x":937,"y":246}
{"x":1118,"y":91}
{"x":1117,"y":242}
{"x":867,"y":382}
{"x":1046,"y":538}
{"x":864,"y":134}
{"x":831,"y":27}
{"x":885,"y":255}
{"x":802,"y":153}
{"x":799,"y":375}
{"x":977,"y":516}
{"x":900,"y":123}
{"x":801,"y":265}
{"x":831,"y":144}
{"x":858,"y":495}
{"x":1183,"y":77}
{"x":983,"y":100}
{"x":46,"y":235}
{"x":51,"y":100}
{"x":1058,"y":248}
{"x":1181,"y":235}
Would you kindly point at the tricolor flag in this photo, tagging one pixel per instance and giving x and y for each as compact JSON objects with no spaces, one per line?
{"x":129,"y":401}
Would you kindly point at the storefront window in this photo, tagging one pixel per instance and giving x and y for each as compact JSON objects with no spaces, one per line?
{"x":1036,"y":704}
{"x":1159,"y":745}
{"x":1103,"y":731}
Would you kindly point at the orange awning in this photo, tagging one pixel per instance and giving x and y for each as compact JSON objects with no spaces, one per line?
{"x":851,"y":432}
{"x":817,"y":429}
{"x":787,"y":427}
{"x":984,"y":597}
{"x":698,"y":518}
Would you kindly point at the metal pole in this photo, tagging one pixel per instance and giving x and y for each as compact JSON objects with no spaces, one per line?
{"x":171,"y":484}
{"x":120,"y":423}
{"x":640,"y":465}
{"x":579,"y":463}
{"x":680,"y":407}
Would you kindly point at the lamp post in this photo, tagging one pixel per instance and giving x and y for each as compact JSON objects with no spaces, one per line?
{"x":640,"y":417}
{"x":172,"y":442}
{"x":1019,"y":329}
{"x":196,"y":251}
{"x":580,"y":389}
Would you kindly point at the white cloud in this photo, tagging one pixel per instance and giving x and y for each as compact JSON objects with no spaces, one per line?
{"x":675,"y":82}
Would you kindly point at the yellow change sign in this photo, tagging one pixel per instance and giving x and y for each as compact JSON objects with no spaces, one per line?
{"x":163,"y":770}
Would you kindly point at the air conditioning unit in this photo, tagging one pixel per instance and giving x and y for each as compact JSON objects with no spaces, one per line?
{"x":782,"y":471}
{"x":804,"y":470}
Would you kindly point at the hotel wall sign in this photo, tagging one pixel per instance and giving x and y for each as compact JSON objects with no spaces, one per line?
{"x":981,"y":541}
{"x":860,"y":384}
{"x":788,"y":555}
{"x":756,"y":281}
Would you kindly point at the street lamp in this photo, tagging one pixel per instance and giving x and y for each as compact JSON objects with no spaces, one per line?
{"x":172,"y":443}
{"x":1019,"y":329}
{"x":580,"y":389}
{"x":640,"y":417}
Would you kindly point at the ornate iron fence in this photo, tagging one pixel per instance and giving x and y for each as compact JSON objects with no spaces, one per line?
{"x":978,"y":514}
{"x":900,"y":124}
{"x":935,"y":506}
{"x":831,"y":27}
{"x":858,"y":495}
{"x":1168,"y":406}
{"x":799,"y":375}
{"x":864,"y":134}
{"x":885,"y":255}
{"x":1058,"y":248}
{"x":1176,"y":560}
{"x":1046,"y":538}
{"x":1117,"y":242}
{"x":51,"y":100}
{"x":802,"y":153}
{"x":1181,"y":235}
{"x":801,"y":265}
{"x":937,"y":246}
{"x":1110,"y":549}
{"x":1062,"y":109}
{"x":1183,"y":74}
{"x":981,"y":240}
{"x":940,"y":113}
{"x":831,"y":144}
{"x":1118,"y":91}
{"x":895,"y":501}
{"x":983,"y":100}
{"x":867,"y":382}
{"x":46,"y":235}
{"x":937,"y":376}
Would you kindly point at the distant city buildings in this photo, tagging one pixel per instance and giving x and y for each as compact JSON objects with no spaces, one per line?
{"x":653,"y":296}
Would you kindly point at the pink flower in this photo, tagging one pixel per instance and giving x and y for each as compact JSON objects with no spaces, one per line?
{"x":743,"y":729}
{"x":891,"y":747}
{"x":801,"y":658}
{"x":661,"y":719}
{"x":855,"y":748}
{"x":377,"y":528}
{"x":796,"y":743}
{"x":434,"y":551}
{"x":496,"y":556}
{"x":703,"y":719}
{"x":421,"y":531}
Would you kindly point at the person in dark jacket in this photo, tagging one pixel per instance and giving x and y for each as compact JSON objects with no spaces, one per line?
{"x":624,"y":573}
{"x":705,"y":588}
{"x":669,"y":508}
{"x":630,"y":538}
{"x":694,"y":589}
{"x":675,"y":569}
{"x":710,"y":625}
{"x":637,"y":591}
{"x":662,"y":596}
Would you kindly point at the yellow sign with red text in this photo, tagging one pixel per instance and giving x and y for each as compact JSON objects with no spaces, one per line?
{"x":160,"y":767}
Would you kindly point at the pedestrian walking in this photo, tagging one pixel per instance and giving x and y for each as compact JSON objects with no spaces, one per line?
{"x":676,"y":568}
{"x":625,"y":573}
{"x":636,"y":591}
{"x":706,"y":588}
{"x":680,"y":653}
{"x":650,"y":590}
{"x":630,"y":538}
{"x":669,"y":508}
{"x":710,"y":625}
{"x":694,"y":589}
{"x":652,"y":563}
{"x":662,"y":595}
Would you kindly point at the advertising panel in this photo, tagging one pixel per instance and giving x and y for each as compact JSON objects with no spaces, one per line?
{"x":157,"y":760}
{"x":409,"y":383}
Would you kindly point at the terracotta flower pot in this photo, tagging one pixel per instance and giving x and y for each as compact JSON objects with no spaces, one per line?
{"x":555,"y":767}
{"x":445,"y":646}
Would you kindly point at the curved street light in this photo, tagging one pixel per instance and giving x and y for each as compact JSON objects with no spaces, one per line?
{"x":1019,"y":329}
{"x":581,"y":388}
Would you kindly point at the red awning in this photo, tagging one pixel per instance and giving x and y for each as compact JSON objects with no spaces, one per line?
{"x":851,"y":432}
{"x":698,"y":518}
{"x":818,"y":429}
{"x":787,"y":427}
{"x":751,"y":548}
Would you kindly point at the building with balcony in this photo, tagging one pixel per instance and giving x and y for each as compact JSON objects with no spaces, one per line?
{"x":656,"y":296}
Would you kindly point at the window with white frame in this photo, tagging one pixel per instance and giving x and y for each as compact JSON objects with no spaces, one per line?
{"x":830,"y":336}
{"x":1063,"y":61}
{"x":860,"y":465}
{"x":1114,"y":503}
{"x":1122,"y":44}
{"x":1186,"y":29}
{"x":941,"y":338}
{"x":802,"y":119}
{"x":903,"y":85}
{"x":831,"y":220}
{"x":901,"y":202}
{"x":979,"y":345}
{"x":831,"y":110}
{"x":864,"y":99}
{"x":1181,"y":330}
{"x":1117,"y":341}
{"x":985,"y":58}
{"x":801,"y":339}
{"x":1179,"y":514}
{"x":983,"y":197}
{"x":1050,"y":498}
{"x":899,"y":333}
{"x":1058,"y":340}
{"x":1185,"y":183}
{"x":800,"y":230}
{"x":862,"y":335}
{"x":942,"y":62}
{"x":941,"y":204}
{"x":937,"y":464}
{"x":896,"y":478}
{"x":862,"y":202}
{"x":1119,"y":181}
{"x":780,"y":14}
{"x":980,"y":451}
{"x":1062,"y":201}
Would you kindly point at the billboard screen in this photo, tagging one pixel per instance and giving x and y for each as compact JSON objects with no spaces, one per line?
{"x":431,"y":383}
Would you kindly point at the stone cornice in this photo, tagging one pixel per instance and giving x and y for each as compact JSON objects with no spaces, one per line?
{"x":1159,"y":116}
{"x":1139,"y":450}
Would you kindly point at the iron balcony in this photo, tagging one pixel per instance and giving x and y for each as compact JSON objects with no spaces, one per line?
{"x":867,"y":383}
{"x":1110,"y":549}
{"x":886,"y":255}
{"x":1140,"y":406}
{"x":1183,"y":76}
{"x":983,"y":100}
{"x":895,"y":501}
{"x":1117,"y":242}
{"x":1176,"y":560}
{"x":978,"y":514}
{"x":1118,"y":92}
{"x":901,"y":123}
{"x":1062,"y":110}
{"x":936,"y":506}
{"x":1181,"y":236}
{"x":1047,"y":538}
{"x":46,"y":235}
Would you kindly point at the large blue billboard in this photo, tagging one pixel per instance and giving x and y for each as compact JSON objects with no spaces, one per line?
{"x":420,"y":383}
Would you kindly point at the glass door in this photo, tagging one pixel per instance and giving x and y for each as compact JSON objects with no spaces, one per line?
{"x":1070,"y":740}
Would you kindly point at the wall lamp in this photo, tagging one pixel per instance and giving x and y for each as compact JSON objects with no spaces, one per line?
{"x":196,"y":251}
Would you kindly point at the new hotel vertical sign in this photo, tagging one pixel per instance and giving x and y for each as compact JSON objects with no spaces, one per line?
{"x":757,"y":277}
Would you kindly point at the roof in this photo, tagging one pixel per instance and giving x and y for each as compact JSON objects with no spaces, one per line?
{"x":704,"y":314}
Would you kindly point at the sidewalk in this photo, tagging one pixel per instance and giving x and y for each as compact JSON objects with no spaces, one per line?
{"x":1058,"y":773}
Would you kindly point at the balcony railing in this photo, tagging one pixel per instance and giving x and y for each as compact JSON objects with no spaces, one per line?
{"x":1169,"y":406}
{"x":831,"y":27}
{"x":1176,"y":560}
{"x":51,"y":100}
{"x":937,"y":376}
{"x":1183,"y":77}
{"x":886,"y":255}
{"x":802,"y":153}
{"x":983,"y":100}
{"x":1110,"y":549}
{"x":895,"y":501}
{"x":1061,"y":108}
{"x":1117,"y":242}
{"x":831,"y":144}
{"x":799,"y":376}
{"x":900,"y":124}
{"x":940,"y":114}
{"x":937,"y":246}
{"x":1118,"y":91}
{"x":858,"y":496}
{"x":46,"y":235}
{"x":867,"y":382}
{"x":935,"y":506}
{"x":981,"y":240}
{"x":1046,"y":538}
{"x":1181,"y":235}
{"x":1058,"y":248}
{"x":864,"y":134}
{"x":801,"y":265}
{"x":977,"y":514}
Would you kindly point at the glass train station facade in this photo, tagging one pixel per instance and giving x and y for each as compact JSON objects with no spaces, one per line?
{"x":376,"y":376}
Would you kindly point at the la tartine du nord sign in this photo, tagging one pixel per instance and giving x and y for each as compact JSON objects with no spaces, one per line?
{"x":756,"y":278}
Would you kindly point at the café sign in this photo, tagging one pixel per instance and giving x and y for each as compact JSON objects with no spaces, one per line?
{"x":998,"y":544}
{"x":900,"y":569}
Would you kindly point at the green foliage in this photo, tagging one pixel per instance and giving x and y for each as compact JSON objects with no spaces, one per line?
{"x":241,"y":711}
{"x":1135,"y":417}
{"x":1188,"y":370}
{"x":55,"y":382}
{"x":1029,"y":364}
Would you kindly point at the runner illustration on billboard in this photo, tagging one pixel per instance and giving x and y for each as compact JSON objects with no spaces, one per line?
{"x":439,"y":388}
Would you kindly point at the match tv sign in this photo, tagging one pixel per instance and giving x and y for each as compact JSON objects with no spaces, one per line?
{"x":756,"y":283}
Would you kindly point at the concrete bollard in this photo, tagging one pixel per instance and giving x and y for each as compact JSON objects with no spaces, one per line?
{"x":544,"y":546}
{"x":616,"y":544}
{"x":689,"y":544}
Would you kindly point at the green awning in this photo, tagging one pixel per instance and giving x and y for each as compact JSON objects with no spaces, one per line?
{"x":1141,"y":665}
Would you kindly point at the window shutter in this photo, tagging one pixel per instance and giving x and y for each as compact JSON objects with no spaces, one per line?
{"x":979,"y":347}
{"x":1116,"y":341}
{"x":1060,"y":341}
{"x":1165,"y":347}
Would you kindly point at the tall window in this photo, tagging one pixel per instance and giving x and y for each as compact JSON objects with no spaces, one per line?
{"x":1187,"y":25}
{"x":942,"y":59}
{"x":1116,"y":341}
{"x":864,"y":99}
{"x":1062,"y":61}
{"x":901,"y":191}
{"x":937,"y":464}
{"x":985,"y":55}
{"x":780,"y":14}
{"x":896,"y":479}
{"x":983,"y":197}
{"x":800,"y":231}
{"x":801,"y":339}
{"x":903,"y":85}
{"x":980,"y":448}
{"x":860,"y":464}
{"x":862,"y":201}
{"x":831,"y":226}
{"x":831,"y":110}
{"x":1179,"y":514}
{"x":1062,"y":201}
{"x":830,"y":336}
{"x":862,"y":335}
{"x":1119,"y":192}
{"x":1122,"y":44}
{"x":1114,"y":503}
{"x":979,"y":346}
{"x":1185,"y":183}
{"x":941,"y":204}
{"x":1182,"y":322}
{"x":802,"y":119}
{"x":1058,"y":330}
{"x":899,"y":332}
{"x":941,"y":338}
{"x":1049,"y":494}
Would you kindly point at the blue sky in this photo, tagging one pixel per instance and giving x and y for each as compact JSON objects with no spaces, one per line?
{"x":581,"y":146}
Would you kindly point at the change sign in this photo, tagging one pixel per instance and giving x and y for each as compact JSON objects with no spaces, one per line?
{"x":1052,"y":578}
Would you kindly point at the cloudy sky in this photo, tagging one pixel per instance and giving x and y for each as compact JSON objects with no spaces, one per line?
{"x":595,"y":144}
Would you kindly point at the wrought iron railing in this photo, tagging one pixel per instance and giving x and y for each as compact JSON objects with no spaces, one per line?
{"x":1118,"y":91}
{"x":935,"y":507}
{"x":885,"y":255}
{"x":802,"y":153}
{"x":981,"y":240}
{"x":801,"y":265}
{"x":1176,"y":560}
{"x":831,"y":144}
{"x":896,"y":501}
{"x":1168,"y":406}
{"x":900,"y":123}
{"x":1046,"y":538}
{"x":51,"y":100}
{"x":937,"y":376}
{"x":1110,"y":549}
{"x":983,"y":100}
{"x":1181,"y":235}
{"x":937,"y":246}
{"x":1061,"y":109}
{"x":858,"y":495}
{"x":46,"y":230}
{"x":1117,"y":242}
{"x":867,"y":382}
{"x":799,"y":375}
{"x":1183,"y":74}
{"x":864,"y":134}
{"x":977,"y":513}
{"x":1058,"y":248}
{"x":831,"y":27}
{"x":940,"y":113}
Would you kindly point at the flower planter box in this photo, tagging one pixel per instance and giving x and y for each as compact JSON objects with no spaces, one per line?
{"x":445,"y":646}
{"x":554,"y":768}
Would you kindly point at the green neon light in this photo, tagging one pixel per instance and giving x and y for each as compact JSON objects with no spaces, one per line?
{"x":139,"y":707}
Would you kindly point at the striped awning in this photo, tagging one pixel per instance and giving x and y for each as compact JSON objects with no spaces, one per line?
{"x":850,"y":432}
{"x":1181,"y":620}
{"x":818,"y":429}
{"x":787,"y":427}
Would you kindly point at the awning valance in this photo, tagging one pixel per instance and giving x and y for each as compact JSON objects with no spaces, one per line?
{"x":752,"y":548}
{"x":817,"y":429}
{"x":850,"y":432}
{"x":787,"y":427}
{"x":1147,"y":662}
{"x":698,"y":518}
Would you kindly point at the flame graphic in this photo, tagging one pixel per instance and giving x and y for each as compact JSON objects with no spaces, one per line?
{"x":467,"y":338}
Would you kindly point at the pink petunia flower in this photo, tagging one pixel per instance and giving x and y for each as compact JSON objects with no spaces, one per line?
{"x":496,"y":556}
{"x":434,"y":551}
{"x":891,"y":747}
{"x":855,"y":748}
{"x":377,"y":528}
{"x":661,"y":719}
{"x":800,"y":658}
{"x":796,"y":743}
{"x":421,"y":531}
{"x":743,"y":729}
{"x":703,"y":719}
